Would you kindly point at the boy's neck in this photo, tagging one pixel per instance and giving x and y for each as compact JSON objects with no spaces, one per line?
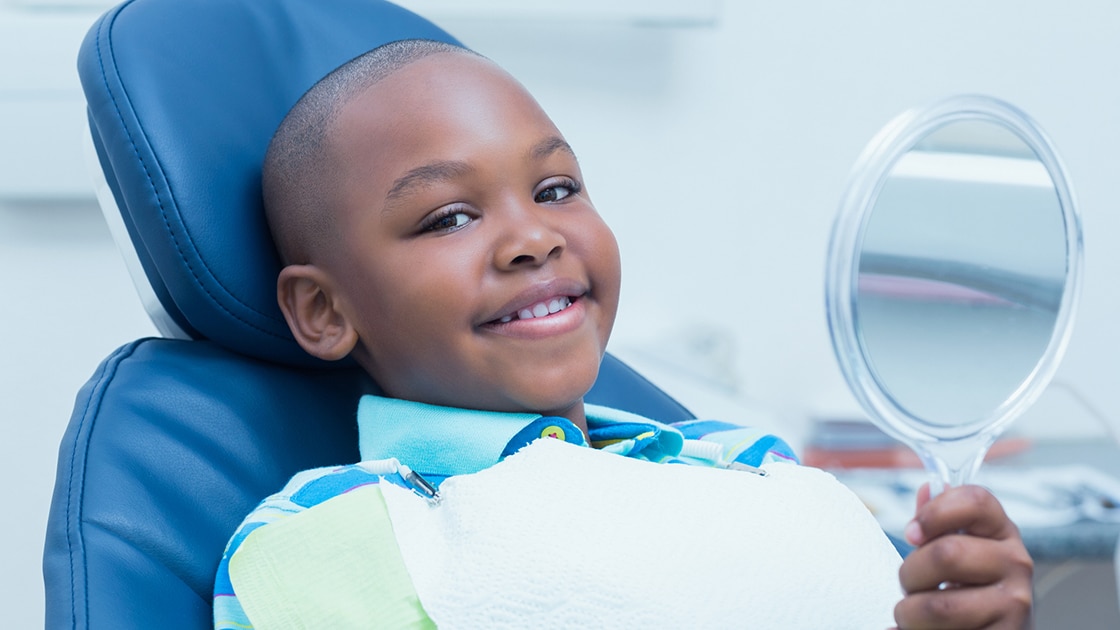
{"x":575,"y":414}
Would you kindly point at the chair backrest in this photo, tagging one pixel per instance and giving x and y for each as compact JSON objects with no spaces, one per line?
{"x":172,"y":442}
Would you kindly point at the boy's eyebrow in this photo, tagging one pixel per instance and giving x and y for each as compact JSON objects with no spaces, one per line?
{"x":443,"y":170}
{"x":423,"y":176}
{"x":550,"y":145}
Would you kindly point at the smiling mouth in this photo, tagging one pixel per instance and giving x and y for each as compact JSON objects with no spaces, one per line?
{"x":540,"y":309}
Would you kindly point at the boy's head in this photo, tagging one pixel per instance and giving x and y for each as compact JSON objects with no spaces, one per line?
{"x":435,"y":227}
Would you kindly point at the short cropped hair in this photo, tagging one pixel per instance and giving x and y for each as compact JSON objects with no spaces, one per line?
{"x":296,"y":180}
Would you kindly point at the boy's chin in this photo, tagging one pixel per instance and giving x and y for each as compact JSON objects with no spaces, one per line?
{"x":559,"y":399}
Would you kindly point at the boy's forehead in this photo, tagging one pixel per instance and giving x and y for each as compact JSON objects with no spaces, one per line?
{"x":422,"y":71}
{"x":431,"y":109}
{"x":437,"y":87}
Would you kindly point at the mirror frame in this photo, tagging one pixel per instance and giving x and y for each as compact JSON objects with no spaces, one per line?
{"x":866,"y":181}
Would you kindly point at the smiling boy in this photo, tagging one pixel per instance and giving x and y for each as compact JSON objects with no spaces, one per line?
{"x":435,"y":227}
{"x":466,"y":266}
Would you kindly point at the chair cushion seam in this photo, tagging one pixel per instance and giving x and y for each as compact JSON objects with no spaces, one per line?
{"x":88,"y":413}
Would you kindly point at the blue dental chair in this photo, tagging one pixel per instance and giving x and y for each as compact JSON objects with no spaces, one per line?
{"x":173,"y":440}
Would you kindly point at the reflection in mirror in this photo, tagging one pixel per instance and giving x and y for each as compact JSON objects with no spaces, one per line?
{"x":960,"y":273}
{"x":953,"y":273}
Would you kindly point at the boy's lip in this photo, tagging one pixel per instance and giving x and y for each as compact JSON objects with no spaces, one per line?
{"x":542,"y":292}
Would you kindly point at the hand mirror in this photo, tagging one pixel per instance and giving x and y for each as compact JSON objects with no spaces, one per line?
{"x":952,"y":277}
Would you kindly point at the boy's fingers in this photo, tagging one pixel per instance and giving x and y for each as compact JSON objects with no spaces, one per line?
{"x":966,"y":560}
{"x":953,"y":608}
{"x":923,"y":495}
{"x":964,"y":608}
{"x":913,"y":532}
{"x":969,"y":509}
{"x":966,"y":541}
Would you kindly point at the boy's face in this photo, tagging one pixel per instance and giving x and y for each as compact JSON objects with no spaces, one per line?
{"x":472,"y":264}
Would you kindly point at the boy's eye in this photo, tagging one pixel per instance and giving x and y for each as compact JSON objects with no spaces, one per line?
{"x":447,"y":221}
{"x":556,"y":191}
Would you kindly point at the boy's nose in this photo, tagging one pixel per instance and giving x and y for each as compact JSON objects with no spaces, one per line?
{"x":527,"y":240}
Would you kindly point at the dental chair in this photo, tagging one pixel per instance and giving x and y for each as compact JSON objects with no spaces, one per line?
{"x":174,"y":440}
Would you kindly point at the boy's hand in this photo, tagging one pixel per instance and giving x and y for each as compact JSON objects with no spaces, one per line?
{"x":970,"y":568}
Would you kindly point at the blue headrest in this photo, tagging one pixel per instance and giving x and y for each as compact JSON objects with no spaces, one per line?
{"x":181,"y":131}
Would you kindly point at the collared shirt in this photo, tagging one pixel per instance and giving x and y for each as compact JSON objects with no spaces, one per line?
{"x":274,"y":558}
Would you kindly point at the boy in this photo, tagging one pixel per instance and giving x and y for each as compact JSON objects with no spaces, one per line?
{"x":435,"y":228}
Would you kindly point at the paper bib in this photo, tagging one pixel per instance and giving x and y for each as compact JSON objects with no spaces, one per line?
{"x":561,"y":536}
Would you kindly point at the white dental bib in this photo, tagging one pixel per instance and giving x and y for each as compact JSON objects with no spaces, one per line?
{"x":561,"y":536}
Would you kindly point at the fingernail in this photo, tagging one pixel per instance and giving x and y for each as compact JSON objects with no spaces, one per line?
{"x":913,"y":533}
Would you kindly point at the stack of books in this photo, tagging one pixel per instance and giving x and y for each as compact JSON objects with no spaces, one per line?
{"x":857,"y":443}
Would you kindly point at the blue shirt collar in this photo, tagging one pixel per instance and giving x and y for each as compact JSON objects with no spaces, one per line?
{"x":440,"y":441}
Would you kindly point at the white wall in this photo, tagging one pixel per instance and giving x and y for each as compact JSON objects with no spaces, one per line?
{"x":717,"y":154}
{"x":67,"y":303}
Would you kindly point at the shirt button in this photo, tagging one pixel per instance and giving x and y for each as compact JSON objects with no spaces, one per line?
{"x":553,"y":431}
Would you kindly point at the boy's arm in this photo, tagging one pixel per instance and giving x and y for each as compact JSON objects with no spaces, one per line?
{"x":970,"y":568}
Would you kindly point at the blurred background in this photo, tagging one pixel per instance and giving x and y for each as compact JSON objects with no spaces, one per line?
{"x":716,"y":139}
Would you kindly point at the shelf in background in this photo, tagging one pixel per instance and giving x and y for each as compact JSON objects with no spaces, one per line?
{"x":679,"y":13}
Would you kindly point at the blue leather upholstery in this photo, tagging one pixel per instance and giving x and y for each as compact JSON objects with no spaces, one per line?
{"x":172,"y":442}
{"x":183,"y":97}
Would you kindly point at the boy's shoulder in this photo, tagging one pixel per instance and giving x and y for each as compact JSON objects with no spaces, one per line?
{"x":735,"y":443}
{"x":303,"y":491}
{"x":712,"y":443}
{"x":274,"y":558}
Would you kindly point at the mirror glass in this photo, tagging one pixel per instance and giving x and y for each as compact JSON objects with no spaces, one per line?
{"x":952,"y":274}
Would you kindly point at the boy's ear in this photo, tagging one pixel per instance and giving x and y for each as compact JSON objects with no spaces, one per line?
{"x":303,"y":292}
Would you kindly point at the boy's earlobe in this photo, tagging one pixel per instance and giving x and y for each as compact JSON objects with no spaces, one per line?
{"x":318,"y":326}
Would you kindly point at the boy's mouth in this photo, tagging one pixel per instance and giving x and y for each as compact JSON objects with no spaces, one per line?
{"x":541,"y":318}
{"x":540,"y":309}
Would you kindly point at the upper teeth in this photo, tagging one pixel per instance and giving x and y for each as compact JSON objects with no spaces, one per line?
{"x":540,"y":309}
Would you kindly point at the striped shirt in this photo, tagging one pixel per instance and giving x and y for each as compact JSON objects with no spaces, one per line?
{"x":271,"y":572}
